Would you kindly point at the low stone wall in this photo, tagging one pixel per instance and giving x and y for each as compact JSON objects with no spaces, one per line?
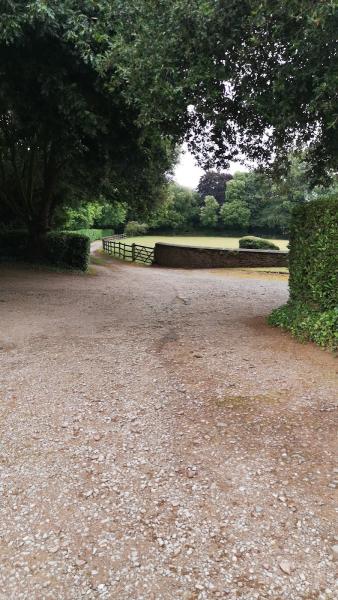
{"x":186,"y":257}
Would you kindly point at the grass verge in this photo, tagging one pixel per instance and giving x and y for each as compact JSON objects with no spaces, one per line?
{"x":186,"y":240}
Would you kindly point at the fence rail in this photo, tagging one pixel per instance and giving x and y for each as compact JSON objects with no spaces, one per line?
{"x":131,"y":252}
{"x":118,"y":236}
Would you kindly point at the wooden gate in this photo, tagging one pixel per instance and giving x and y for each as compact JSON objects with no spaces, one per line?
{"x":130,"y":252}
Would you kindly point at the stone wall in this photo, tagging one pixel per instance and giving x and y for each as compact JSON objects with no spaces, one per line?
{"x":186,"y":257}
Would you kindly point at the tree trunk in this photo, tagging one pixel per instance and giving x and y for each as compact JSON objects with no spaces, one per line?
{"x":38,"y":227}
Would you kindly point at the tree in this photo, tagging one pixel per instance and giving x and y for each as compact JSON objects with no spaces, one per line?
{"x":112,"y":215}
{"x":178,"y":211}
{"x":86,"y":215}
{"x":95,"y":96}
{"x":235,"y":214}
{"x":253,"y":77}
{"x":213,"y":184}
{"x":82,"y":217}
{"x":251,"y":188}
{"x":271,"y":200}
{"x":282,"y":195}
{"x":65,"y":135}
{"x":209,"y":212}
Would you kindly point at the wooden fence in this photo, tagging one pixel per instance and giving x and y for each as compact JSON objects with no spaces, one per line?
{"x":117,"y":236}
{"x":131,"y":252}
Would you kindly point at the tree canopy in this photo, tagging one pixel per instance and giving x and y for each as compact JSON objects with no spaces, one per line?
{"x":178,"y":211}
{"x":64,"y":133}
{"x":95,"y":96}
{"x":209,"y":212}
{"x":255,"y":77}
{"x":213,"y":184}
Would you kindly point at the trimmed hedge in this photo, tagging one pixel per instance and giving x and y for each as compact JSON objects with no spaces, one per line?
{"x":313,"y":254}
{"x":257,"y":243}
{"x":312,"y":311}
{"x":70,"y":250}
{"x":94,"y":234}
{"x":61,"y":249}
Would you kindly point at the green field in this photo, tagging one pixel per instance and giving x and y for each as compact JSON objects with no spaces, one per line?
{"x":209,"y":242}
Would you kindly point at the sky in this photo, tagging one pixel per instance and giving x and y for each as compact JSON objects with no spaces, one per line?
{"x":188,"y":173}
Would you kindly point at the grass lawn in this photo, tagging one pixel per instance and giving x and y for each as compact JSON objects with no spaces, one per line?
{"x":209,"y":242}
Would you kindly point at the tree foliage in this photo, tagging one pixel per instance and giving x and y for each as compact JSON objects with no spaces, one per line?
{"x":209,"y":212}
{"x":112,"y":215}
{"x":255,"y":77}
{"x":134,"y":228}
{"x":65,"y":134}
{"x":99,"y":214}
{"x":95,"y":96}
{"x":179,"y":211}
{"x":213,"y":184}
{"x":271,"y":200}
{"x":235,"y":214}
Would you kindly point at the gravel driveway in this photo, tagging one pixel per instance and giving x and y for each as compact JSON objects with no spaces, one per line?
{"x":159,"y":441}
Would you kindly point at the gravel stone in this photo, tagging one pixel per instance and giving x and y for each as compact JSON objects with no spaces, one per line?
{"x":132,"y":471}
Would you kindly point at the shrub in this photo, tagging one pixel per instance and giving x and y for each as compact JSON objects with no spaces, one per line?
{"x":312,"y":311}
{"x":70,"y":250}
{"x":133,"y":228}
{"x":95,"y":234}
{"x":308,"y":324}
{"x":62,"y":249}
{"x":257,"y":243}
{"x":313,"y":254}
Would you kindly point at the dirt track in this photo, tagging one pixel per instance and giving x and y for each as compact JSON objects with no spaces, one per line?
{"x":160,"y":441}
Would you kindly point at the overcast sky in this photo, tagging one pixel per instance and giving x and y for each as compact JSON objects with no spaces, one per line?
{"x":187,"y":172}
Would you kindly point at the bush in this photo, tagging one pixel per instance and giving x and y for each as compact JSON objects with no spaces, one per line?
{"x":62,"y":249}
{"x":256,"y":243}
{"x":313,"y":254}
{"x":308,"y":324}
{"x":312,"y":312}
{"x":95,"y":234}
{"x":133,"y":228}
{"x":70,"y":250}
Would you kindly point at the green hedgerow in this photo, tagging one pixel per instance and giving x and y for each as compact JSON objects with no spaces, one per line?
{"x":312,"y":312}
{"x":60,"y":249}
{"x":70,"y":250}
{"x":313,"y":254}
{"x":94,"y":234}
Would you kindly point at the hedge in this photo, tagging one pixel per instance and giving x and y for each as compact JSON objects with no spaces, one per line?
{"x":95,"y":234}
{"x":313,"y":254}
{"x":61,"y":249}
{"x":70,"y":250}
{"x":312,"y":311}
{"x":257,"y":243}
